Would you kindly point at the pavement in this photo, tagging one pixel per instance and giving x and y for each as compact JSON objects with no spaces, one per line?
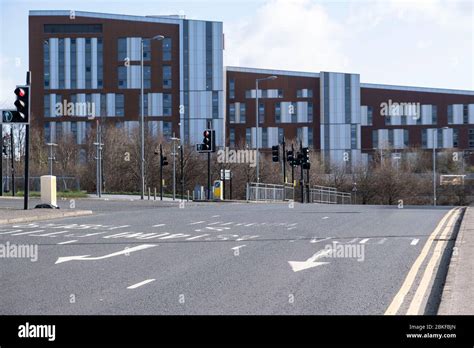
{"x":458,"y":293}
{"x":152,"y":257}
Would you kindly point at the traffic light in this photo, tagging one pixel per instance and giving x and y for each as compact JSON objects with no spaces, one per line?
{"x":164,"y":161}
{"x":290,"y":158}
{"x":22,"y":104}
{"x":5,"y":150}
{"x":305,"y":155}
{"x":276,"y":153}
{"x":209,"y":141}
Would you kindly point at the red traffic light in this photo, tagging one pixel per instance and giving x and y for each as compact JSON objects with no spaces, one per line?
{"x":20,"y":92}
{"x":206,"y":133}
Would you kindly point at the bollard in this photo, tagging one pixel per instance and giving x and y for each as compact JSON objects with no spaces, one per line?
{"x":154,"y":196}
{"x":188,"y":195}
{"x":149,"y":193}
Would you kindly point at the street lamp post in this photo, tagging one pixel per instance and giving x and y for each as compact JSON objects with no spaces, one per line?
{"x":142,"y":118}
{"x":257,"y":121}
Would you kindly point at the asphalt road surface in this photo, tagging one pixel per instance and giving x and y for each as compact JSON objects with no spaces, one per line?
{"x":207,"y":258}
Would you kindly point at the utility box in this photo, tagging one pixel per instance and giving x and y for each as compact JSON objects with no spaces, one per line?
{"x":48,"y":190}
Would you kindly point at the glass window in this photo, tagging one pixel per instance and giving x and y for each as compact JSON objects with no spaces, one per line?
{"x":74,"y":63}
{"x":147,"y":76}
{"x":261,"y":112}
{"x":277,"y":112}
{"x":232,"y":113}
{"x":455,"y":137}
{"x":370,"y":115}
{"x":145,"y":104}
{"x":167,"y":129}
{"x":47,"y":106}
{"x":166,"y":76}
{"x":122,"y":76}
{"x":61,"y":63}
{"x":146,"y":49}
{"x":231,"y":88}
{"x":424,"y":138}
{"x":88,"y":63}
{"x":100,"y":63}
{"x":450,"y":114}
{"x":406,"y":139}
{"x":280,"y":93}
{"x":281,"y":134}
{"x":215,"y":104}
{"x":310,"y":111}
{"x":166,"y":49}
{"x":353,"y":136}
{"x":293,"y":112}
{"x":465,"y":114}
{"x":119,"y":105}
{"x":232,"y":137}
{"x":248,"y":136}
{"x":47,"y":132}
{"x":264,"y":137}
{"x":248,"y":94}
{"x":167,"y":104}
{"x":299,"y":93}
{"x":310,"y":137}
{"x":46,"y":76}
{"x":122,"y":48}
{"x":243,"y":113}
{"x":375,"y":139}
{"x":72,"y":28}
{"x":434,"y":114}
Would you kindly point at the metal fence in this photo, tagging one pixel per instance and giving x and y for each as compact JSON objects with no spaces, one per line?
{"x":328,"y":195}
{"x":269,"y":192}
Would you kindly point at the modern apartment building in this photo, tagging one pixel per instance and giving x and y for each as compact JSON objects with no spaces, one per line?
{"x":343,"y":118}
{"x":93,"y":61}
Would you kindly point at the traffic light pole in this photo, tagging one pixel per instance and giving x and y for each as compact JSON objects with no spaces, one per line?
{"x":12,"y":154}
{"x":161,"y":173}
{"x":27,"y":148}
{"x":1,"y":162}
{"x":292,"y":166}
{"x":284,"y":164}
{"x":182,"y":171}
{"x":208,"y":176}
{"x":302,"y":177}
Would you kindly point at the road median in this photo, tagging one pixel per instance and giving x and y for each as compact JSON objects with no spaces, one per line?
{"x":12,"y":216}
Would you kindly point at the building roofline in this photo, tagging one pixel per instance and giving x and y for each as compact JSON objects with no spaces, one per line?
{"x":171,"y":19}
{"x":271,"y":71}
{"x":416,"y":89}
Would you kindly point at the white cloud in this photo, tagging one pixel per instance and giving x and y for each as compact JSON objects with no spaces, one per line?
{"x":286,"y":34}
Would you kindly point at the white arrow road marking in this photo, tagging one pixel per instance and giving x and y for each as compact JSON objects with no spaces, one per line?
{"x":68,"y":242}
{"x":309,"y":263}
{"x":238,"y":247}
{"x":121,"y":252}
{"x":414,"y":241}
{"x":134,"y":286}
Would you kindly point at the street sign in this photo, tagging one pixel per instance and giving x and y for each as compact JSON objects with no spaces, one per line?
{"x":225,"y":174}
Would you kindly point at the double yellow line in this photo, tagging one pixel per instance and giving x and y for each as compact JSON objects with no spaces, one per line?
{"x":415,"y":306}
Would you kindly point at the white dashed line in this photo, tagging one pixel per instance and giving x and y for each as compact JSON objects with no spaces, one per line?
{"x":214,"y":216}
{"x":13,"y":231}
{"x":68,"y":242}
{"x":159,"y":225}
{"x":414,"y":241}
{"x":214,"y":223}
{"x":253,"y":223}
{"x":227,"y":223}
{"x":363,"y":241}
{"x":196,"y":237}
{"x":19,"y":234}
{"x":291,"y":228}
{"x":197,"y":222}
{"x":325,"y":217}
{"x":134,"y":286}
{"x":238,"y":247}
{"x":52,"y":234}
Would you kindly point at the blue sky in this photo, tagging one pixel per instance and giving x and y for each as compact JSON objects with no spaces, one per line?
{"x":416,"y":43}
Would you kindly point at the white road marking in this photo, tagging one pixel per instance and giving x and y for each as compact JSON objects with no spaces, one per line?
{"x":114,"y":228}
{"x":197,"y":222}
{"x":214,"y":223}
{"x":297,"y":266}
{"x":121,"y":252}
{"x":227,"y":223}
{"x":50,"y":234}
{"x":315,"y":240}
{"x":238,"y":247}
{"x":134,"y":286}
{"x":19,"y":234}
{"x":198,"y":230}
{"x":214,"y":216}
{"x":159,"y":225}
{"x":218,"y":229}
{"x":68,"y":242}
{"x":291,"y":228}
{"x":414,"y":241}
{"x":365,"y":240}
{"x":253,"y":223}
{"x":13,"y":231}
{"x":239,"y":224}
{"x":294,"y":224}
{"x":325,"y":217}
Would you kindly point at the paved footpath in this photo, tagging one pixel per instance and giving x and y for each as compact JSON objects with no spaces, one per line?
{"x":458,"y":293}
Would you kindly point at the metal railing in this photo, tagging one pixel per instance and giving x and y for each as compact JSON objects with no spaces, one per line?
{"x":269,"y":192}
{"x":328,"y":195}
